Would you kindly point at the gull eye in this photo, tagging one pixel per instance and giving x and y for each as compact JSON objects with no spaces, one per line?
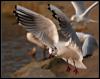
{"x":55,"y":48}
{"x":52,"y":49}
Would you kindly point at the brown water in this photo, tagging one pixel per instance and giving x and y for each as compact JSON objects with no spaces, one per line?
{"x":15,"y":47}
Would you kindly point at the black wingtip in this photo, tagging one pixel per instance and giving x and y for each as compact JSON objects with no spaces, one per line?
{"x":48,"y":6}
{"x":14,"y":12}
{"x":15,"y":6}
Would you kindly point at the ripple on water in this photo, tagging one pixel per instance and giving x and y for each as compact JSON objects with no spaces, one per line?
{"x":14,"y":56}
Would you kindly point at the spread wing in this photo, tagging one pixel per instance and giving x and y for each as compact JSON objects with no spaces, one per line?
{"x":66,"y":27}
{"x":43,"y":28}
{"x":89,"y":46}
{"x":89,"y":43}
{"x":78,"y":6}
{"x":89,"y":9}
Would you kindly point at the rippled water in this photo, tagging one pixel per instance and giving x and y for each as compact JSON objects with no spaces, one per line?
{"x":14,"y":55}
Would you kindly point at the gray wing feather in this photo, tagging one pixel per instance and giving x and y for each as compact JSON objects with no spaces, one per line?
{"x":89,"y":9}
{"x":89,"y":43}
{"x":78,"y":6}
{"x":40,"y":26}
{"x":89,"y":46}
{"x":65,"y":25}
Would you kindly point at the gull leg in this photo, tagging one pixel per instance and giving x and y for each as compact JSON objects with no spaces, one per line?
{"x":44,"y":53}
{"x":45,"y":50}
{"x":32,"y":52}
{"x":68,"y":68}
{"x":50,"y":56}
{"x":75,"y":70}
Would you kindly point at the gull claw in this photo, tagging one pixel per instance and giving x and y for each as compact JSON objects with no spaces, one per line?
{"x":50,"y":56}
{"x":75,"y":71}
{"x":68,"y":69}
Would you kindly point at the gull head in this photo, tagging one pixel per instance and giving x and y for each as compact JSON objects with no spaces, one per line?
{"x":73,"y":18}
{"x":77,"y":18}
{"x":53,"y":51}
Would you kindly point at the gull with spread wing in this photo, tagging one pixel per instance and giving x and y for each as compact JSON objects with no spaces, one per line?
{"x":71,"y":52}
{"x":41,"y":30}
{"x":88,"y":42}
{"x":45,"y":31}
{"x":81,"y":14}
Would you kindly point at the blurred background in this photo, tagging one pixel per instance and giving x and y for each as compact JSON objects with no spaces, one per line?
{"x":16,"y":48}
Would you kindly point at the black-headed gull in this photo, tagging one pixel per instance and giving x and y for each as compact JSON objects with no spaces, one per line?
{"x":46,"y":32}
{"x":72,"y":51}
{"x":73,"y":42}
{"x":81,"y":13}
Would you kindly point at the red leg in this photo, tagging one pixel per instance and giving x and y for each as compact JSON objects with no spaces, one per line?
{"x":75,"y":71}
{"x":50,"y":56}
{"x":32,"y":52}
{"x":44,"y":53}
{"x":68,"y":69}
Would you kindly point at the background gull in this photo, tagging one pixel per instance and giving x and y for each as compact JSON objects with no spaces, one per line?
{"x":46,"y":32}
{"x":81,"y":13}
{"x":89,"y":43}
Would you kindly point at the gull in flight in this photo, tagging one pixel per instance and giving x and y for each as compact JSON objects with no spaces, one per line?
{"x":81,"y":14}
{"x":45,"y":31}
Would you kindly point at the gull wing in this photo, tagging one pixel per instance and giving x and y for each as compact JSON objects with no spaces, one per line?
{"x":66,"y":28}
{"x":89,"y":46}
{"x":78,"y":6}
{"x":41,"y":27}
{"x":89,"y":43}
{"x":89,"y":9}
